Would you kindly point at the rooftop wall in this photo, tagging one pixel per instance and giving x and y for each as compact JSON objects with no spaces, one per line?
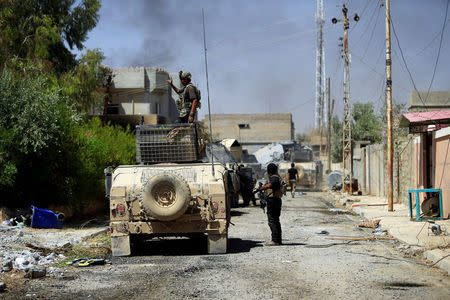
{"x":253,"y":128}
{"x":434,"y":101}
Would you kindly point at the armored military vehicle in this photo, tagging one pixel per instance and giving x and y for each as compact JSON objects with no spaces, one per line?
{"x":169,"y":192}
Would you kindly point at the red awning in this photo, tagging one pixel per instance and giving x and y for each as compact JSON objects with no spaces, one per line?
{"x":425,"y":118}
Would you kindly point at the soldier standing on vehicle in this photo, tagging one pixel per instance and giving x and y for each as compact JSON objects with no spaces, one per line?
{"x":189,"y":98}
{"x":273,"y":203}
{"x":292,"y":176}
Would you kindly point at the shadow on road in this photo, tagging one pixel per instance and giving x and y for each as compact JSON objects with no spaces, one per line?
{"x":236,"y":245}
{"x":235,"y":213}
{"x":187,"y":246}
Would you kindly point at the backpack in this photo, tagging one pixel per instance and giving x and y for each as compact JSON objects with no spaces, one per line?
{"x":283,"y":188}
{"x":197,"y":92}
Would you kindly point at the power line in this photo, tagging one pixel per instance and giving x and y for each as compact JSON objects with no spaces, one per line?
{"x":439,"y":51}
{"x":362,"y":14}
{"x":371,"y":34}
{"x":406,"y":65}
{"x":368,"y":23}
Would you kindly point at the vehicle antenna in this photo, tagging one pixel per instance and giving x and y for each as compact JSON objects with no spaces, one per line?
{"x":209,"y":103}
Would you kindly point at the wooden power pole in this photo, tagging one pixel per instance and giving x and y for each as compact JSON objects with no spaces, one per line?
{"x":390,"y":143}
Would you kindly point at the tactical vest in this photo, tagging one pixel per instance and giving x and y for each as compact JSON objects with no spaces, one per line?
{"x":278,"y":193}
{"x":184,"y":105}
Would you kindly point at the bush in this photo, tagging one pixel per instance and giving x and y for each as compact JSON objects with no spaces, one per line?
{"x":99,"y":147}
{"x":47,"y":154}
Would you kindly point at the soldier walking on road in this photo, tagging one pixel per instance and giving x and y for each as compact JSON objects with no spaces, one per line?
{"x":189,"y":98}
{"x":273,"y":203}
{"x":292,"y":176}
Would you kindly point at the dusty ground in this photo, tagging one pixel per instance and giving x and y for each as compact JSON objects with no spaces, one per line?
{"x":309,"y":265}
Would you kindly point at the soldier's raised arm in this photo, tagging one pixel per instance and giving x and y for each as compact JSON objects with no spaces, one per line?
{"x":172,"y":85}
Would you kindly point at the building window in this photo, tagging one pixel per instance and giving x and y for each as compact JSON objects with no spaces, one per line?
{"x":244,"y":126}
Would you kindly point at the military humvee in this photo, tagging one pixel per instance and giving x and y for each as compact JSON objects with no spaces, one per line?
{"x":169,"y":193}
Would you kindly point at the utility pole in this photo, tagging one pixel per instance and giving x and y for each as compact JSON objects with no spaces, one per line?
{"x":322,"y":105}
{"x":347,"y":129}
{"x":390,"y":142}
{"x":328,"y":126}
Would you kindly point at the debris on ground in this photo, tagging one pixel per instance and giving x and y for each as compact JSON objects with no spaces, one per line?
{"x":363,"y":238}
{"x":45,"y":250}
{"x":339,"y":211}
{"x":324,"y":232}
{"x":35,"y":272}
{"x":2,"y":286}
{"x":336,"y":187}
{"x":379,"y":231}
{"x":85,"y":262}
{"x":370,"y":224}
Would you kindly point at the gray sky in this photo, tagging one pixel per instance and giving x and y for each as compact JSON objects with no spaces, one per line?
{"x":261,"y":54}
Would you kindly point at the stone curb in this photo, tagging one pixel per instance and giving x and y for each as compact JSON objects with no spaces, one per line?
{"x":437,"y":255}
{"x":100,"y":231}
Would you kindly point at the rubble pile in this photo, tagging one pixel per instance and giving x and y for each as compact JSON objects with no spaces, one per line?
{"x":32,"y":263}
{"x":271,"y":153}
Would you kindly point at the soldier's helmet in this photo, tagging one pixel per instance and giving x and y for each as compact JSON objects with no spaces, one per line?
{"x":185,"y":75}
{"x":272,"y":168}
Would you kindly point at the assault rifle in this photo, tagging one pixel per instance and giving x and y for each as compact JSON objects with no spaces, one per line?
{"x":262,"y":194}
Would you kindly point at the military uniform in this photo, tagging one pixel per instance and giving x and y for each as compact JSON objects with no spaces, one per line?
{"x":187,"y":95}
{"x":292,"y":174}
{"x":274,"y":207}
{"x":246,"y":188}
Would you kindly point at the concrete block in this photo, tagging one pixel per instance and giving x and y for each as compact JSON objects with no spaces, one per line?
{"x":438,"y":255}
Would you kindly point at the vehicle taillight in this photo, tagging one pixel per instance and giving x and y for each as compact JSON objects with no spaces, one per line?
{"x":120,"y":209}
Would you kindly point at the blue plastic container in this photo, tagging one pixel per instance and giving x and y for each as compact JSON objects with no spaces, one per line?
{"x":44,"y":218}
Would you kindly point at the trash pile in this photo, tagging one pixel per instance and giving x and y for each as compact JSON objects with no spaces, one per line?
{"x":36,"y":218}
{"x":33,"y":264}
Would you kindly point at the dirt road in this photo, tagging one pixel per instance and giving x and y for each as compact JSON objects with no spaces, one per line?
{"x":309,"y":264}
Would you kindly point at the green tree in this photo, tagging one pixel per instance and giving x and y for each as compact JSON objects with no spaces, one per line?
{"x":302,"y":138}
{"x":366,"y":124}
{"x":82,"y":85}
{"x":39,"y":30}
{"x":397,"y":111}
{"x":336,"y":139}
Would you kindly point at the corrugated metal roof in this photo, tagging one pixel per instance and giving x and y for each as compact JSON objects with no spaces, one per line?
{"x":427,"y":117}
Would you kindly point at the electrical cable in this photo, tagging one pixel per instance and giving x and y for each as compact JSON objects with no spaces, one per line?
{"x":362,"y":14}
{"x":406,"y":65}
{"x":439,"y":51}
{"x":371,"y":34}
{"x":368,"y":23}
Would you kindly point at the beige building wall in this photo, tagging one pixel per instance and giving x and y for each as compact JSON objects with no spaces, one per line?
{"x":253,"y":128}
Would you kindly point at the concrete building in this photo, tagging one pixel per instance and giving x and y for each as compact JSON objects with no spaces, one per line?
{"x":143,"y":91}
{"x":431,"y":152}
{"x":418,"y":101}
{"x":253,"y":131}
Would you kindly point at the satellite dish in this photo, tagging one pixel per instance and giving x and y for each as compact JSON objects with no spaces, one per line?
{"x":334,"y":20}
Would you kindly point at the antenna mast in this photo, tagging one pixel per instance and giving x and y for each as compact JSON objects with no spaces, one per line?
{"x":207,"y":89}
{"x":320,"y":66}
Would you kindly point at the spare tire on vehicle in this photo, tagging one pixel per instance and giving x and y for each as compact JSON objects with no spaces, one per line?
{"x":166,"y":196}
